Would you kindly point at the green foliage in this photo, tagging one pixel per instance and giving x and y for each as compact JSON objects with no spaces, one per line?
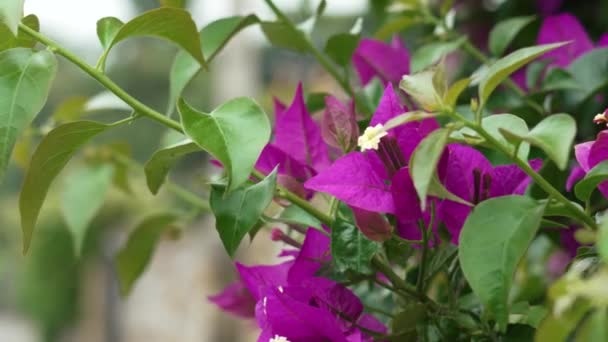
{"x":424,"y":161}
{"x":282,"y":35}
{"x":493,"y":240}
{"x":50,"y":157}
{"x":213,"y":38}
{"x":9,"y":41}
{"x":432,"y":53}
{"x":505,"y":31}
{"x":132,"y":260}
{"x":593,"y":178}
{"x":83,"y":195}
{"x":11,"y":12}
{"x":237,"y":212}
{"x":340,"y":47}
{"x":350,"y":249}
{"x":494,"y":124}
{"x":25,"y":80}
{"x":172,"y":24}
{"x":157,"y":168}
{"x":235,"y":133}
{"x":556,"y":146}
{"x":589,"y":72}
{"x":502,"y":68}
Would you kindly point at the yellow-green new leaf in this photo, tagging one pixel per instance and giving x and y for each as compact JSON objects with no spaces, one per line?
{"x":25,"y":81}
{"x":505,"y":31}
{"x":50,"y":157}
{"x":235,"y":133}
{"x":424,"y":160}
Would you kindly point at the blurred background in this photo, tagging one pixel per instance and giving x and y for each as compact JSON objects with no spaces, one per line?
{"x":52,"y":295}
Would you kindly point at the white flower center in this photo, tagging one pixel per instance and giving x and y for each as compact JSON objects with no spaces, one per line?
{"x":278,"y":338}
{"x":370,"y":139}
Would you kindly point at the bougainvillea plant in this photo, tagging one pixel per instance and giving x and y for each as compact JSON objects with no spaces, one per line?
{"x":416,"y":203}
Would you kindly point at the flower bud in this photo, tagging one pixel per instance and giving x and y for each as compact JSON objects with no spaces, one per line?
{"x":601,"y":118}
{"x":339,"y":125}
{"x":427,"y":88}
{"x":372,"y":225}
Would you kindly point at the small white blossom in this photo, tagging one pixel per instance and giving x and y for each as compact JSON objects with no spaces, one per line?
{"x":370,"y":139}
{"x":278,"y":338}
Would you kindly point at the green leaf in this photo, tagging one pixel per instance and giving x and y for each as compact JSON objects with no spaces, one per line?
{"x":157,"y":168}
{"x":554,"y":135}
{"x":281,"y":35}
{"x":505,"y":31}
{"x":107,"y":29}
{"x":11,"y":12}
{"x":9,"y":41}
{"x":340,"y":48}
{"x":451,"y":97}
{"x":432,"y":53}
{"x":213,"y":38}
{"x":502,"y":68}
{"x":83,"y":195}
{"x":424,"y":161}
{"x":237,"y":212}
{"x":296,"y":215}
{"x":350,"y":249}
{"x":25,"y":80}
{"x":173,"y":24}
{"x":494,"y":238}
{"x":235,"y":133}
{"x":589,"y":72}
{"x":50,"y":157}
{"x":595,"y":327}
{"x":584,"y":188}
{"x":391,"y":27}
{"x":493,"y":124}
{"x":404,"y":324}
{"x":133,"y":258}
{"x":560,"y":79}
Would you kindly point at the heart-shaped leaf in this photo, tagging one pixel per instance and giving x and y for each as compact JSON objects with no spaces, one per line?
{"x":505,"y":31}
{"x":424,"y":161}
{"x":213,"y":38}
{"x":163,"y":160}
{"x":173,"y":24}
{"x":83,"y":195}
{"x":494,"y":123}
{"x":235,"y":133}
{"x":237,"y":212}
{"x":50,"y":157}
{"x":494,"y":238}
{"x":502,"y":68}
{"x":133,"y":258}
{"x":25,"y":80}
{"x":554,"y":135}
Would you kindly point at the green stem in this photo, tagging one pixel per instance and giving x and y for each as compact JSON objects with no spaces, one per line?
{"x":422,"y":269}
{"x":139,"y":107}
{"x":540,"y":180}
{"x":299,"y":201}
{"x":144,"y":110}
{"x":179,"y":191}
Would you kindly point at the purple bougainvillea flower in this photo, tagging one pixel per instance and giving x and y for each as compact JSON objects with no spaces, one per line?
{"x":591,"y":153}
{"x":577,"y":173}
{"x":313,"y":255}
{"x":339,"y":125}
{"x":373,"y":225}
{"x":470,"y":176}
{"x":603,"y":42}
{"x":561,"y":28}
{"x":299,"y":136}
{"x":235,"y":299}
{"x":374,"y":58}
{"x":362,"y":179}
